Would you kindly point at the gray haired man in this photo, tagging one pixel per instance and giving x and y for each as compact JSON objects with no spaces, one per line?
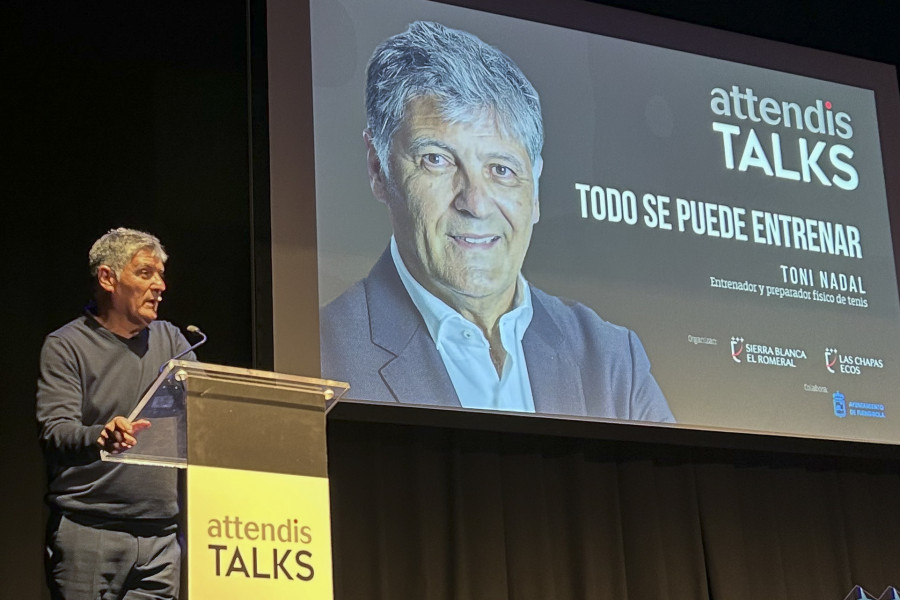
{"x":112,"y":526}
{"x":453,"y":140}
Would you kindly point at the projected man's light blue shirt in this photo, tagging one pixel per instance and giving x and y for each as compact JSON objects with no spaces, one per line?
{"x":466,"y":353}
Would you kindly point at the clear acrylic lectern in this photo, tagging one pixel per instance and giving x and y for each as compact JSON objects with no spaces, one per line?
{"x":253,"y":444}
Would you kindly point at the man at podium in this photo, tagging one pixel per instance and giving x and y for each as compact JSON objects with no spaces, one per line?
{"x":112,"y":526}
{"x":453,"y":140}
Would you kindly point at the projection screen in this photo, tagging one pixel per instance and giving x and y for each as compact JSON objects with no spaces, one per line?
{"x":711,"y":207}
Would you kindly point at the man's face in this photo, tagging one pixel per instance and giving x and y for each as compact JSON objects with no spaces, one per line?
{"x":462,"y":202}
{"x":137,"y":292}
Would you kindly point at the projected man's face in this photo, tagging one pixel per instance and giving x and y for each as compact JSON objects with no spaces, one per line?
{"x":462,"y":203}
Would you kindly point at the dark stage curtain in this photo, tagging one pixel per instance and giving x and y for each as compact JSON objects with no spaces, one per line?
{"x":424,"y":513}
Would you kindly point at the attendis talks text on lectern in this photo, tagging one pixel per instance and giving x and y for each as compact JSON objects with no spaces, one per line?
{"x":253,"y":444}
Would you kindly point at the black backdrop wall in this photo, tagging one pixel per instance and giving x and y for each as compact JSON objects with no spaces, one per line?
{"x":136,"y":114}
{"x":122,"y":113}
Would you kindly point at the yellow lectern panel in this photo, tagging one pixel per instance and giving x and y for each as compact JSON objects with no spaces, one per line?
{"x":254,"y":534}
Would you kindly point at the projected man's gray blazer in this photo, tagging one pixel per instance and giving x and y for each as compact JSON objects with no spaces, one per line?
{"x":374,"y":338}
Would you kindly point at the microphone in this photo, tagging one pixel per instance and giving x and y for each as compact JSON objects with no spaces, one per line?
{"x":189,"y":329}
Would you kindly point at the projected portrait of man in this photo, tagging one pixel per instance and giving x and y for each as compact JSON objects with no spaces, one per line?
{"x":445,"y":317}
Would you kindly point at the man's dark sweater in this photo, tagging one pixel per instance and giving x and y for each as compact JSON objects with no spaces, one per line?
{"x":88,"y":376}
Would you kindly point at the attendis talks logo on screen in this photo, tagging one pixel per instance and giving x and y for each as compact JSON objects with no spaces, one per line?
{"x":763,"y":140}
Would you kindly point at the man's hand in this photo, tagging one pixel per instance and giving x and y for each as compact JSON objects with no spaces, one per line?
{"x":118,"y":435}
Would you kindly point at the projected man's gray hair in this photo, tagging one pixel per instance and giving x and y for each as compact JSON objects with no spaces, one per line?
{"x":466,"y":75}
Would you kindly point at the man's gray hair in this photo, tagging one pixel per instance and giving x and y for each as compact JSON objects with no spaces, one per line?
{"x":465,"y":75}
{"x":117,"y":247}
